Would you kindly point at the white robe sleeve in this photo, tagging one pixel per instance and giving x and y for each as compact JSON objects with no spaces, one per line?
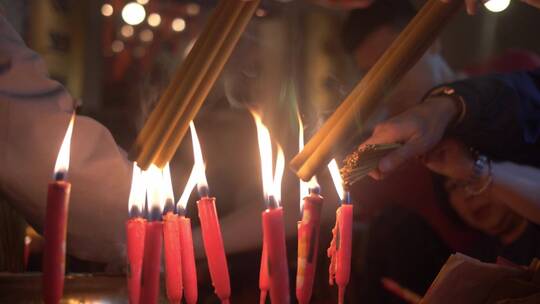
{"x":34,"y":114}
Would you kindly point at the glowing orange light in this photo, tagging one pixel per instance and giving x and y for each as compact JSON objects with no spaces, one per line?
{"x":138,"y":189}
{"x":62,"y":161}
{"x":336,"y":178}
{"x":202,"y":183}
{"x":271,"y":185}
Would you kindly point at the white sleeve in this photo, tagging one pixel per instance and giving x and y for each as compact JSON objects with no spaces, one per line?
{"x":34,"y":114}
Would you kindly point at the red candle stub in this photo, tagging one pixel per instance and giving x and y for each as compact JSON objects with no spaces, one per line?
{"x":135,"y":230}
{"x":152,"y":262}
{"x":189,"y":270}
{"x":213,"y":247}
{"x":274,"y":236}
{"x":340,"y":249}
{"x":173,"y":260}
{"x":308,"y":244}
{"x":54,"y":253}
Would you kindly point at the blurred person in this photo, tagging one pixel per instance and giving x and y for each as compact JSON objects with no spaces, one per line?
{"x":34,"y":115}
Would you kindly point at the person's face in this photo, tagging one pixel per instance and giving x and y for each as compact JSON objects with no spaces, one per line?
{"x":483,"y":213}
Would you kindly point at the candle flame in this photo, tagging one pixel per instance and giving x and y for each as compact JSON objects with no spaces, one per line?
{"x":138,"y":190}
{"x":167,"y":190}
{"x":199,"y":166}
{"x":312,"y":183}
{"x":278,"y":174}
{"x":154,"y":189}
{"x":271,"y":185}
{"x":62,"y":161}
{"x":336,"y":178}
{"x":191,"y":183}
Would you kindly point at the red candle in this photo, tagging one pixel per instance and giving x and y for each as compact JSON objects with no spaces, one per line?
{"x":54,"y":253}
{"x":213,"y":247}
{"x":264,"y":279}
{"x":341,"y":245}
{"x":173,"y":260}
{"x":55,"y":229}
{"x":152,"y":262}
{"x":274,"y":234}
{"x":189,"y":271}
{"x":273,"y":224}
{"x":135,"y":233}
{"x":136,"y":229}
{"x":154,"y":236}
{"x":211,"y":233}
{"x":308,"y":244}
{"x":340,"y":249}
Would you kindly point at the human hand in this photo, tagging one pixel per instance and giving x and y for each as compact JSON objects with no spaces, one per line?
{"x":452,"y":159}
{"x":419,"y":129}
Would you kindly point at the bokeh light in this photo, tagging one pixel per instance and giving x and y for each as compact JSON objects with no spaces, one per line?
{"x":133,"y":13}
{"x":178,"y":24}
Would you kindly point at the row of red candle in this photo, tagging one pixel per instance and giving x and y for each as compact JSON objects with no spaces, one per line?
{"x":172,"y":231}
{"x":145,"y":238}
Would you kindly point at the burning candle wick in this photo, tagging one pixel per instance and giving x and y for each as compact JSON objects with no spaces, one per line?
{"x":346,"y":198}
{"x":203,"y":191}
{"x":135,"y":212}
{"x":169,"y":206}
{"x":272,"y":202}
{"x":60,"y":175}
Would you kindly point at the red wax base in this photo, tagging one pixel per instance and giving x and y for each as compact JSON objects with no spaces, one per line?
{"x":274,"y":236}
{"x":308,"y":244}
{"x":135,"y":231}
{"x":340,"y":249}
{"x":213,"y":247}
{"x":173,"y":261}
{"x":189,"y":271}
{"x":152,"y":262}
{"x":54,"y":253}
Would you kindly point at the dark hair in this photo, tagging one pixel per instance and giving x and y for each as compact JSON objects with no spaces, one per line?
{"x":361,"y":22}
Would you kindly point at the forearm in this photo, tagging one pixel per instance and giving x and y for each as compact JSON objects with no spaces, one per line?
{"x":519,"y":187}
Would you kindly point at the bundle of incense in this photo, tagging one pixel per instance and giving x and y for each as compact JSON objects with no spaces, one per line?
{"x":404,"y":52}
{"x":364,"y":160}
{"x":400,"y":291}
{"x":168,"y":123}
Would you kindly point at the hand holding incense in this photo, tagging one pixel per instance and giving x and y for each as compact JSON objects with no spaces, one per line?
{"x":135,"y":232}
{"x":54,"y":253}
{"x":340,"y":248}
{"x":211,"y":232}
{"x":171,"y":239}
{"x":365,"y":159}
{"x":408,"y":47}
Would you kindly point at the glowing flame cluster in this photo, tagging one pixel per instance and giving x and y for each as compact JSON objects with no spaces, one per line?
{"x":155,"y":186}
{"x":62,"y":161}
{"x":271,"y":184}
{"x":138,"y":189}
{"x":336,"y":178}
